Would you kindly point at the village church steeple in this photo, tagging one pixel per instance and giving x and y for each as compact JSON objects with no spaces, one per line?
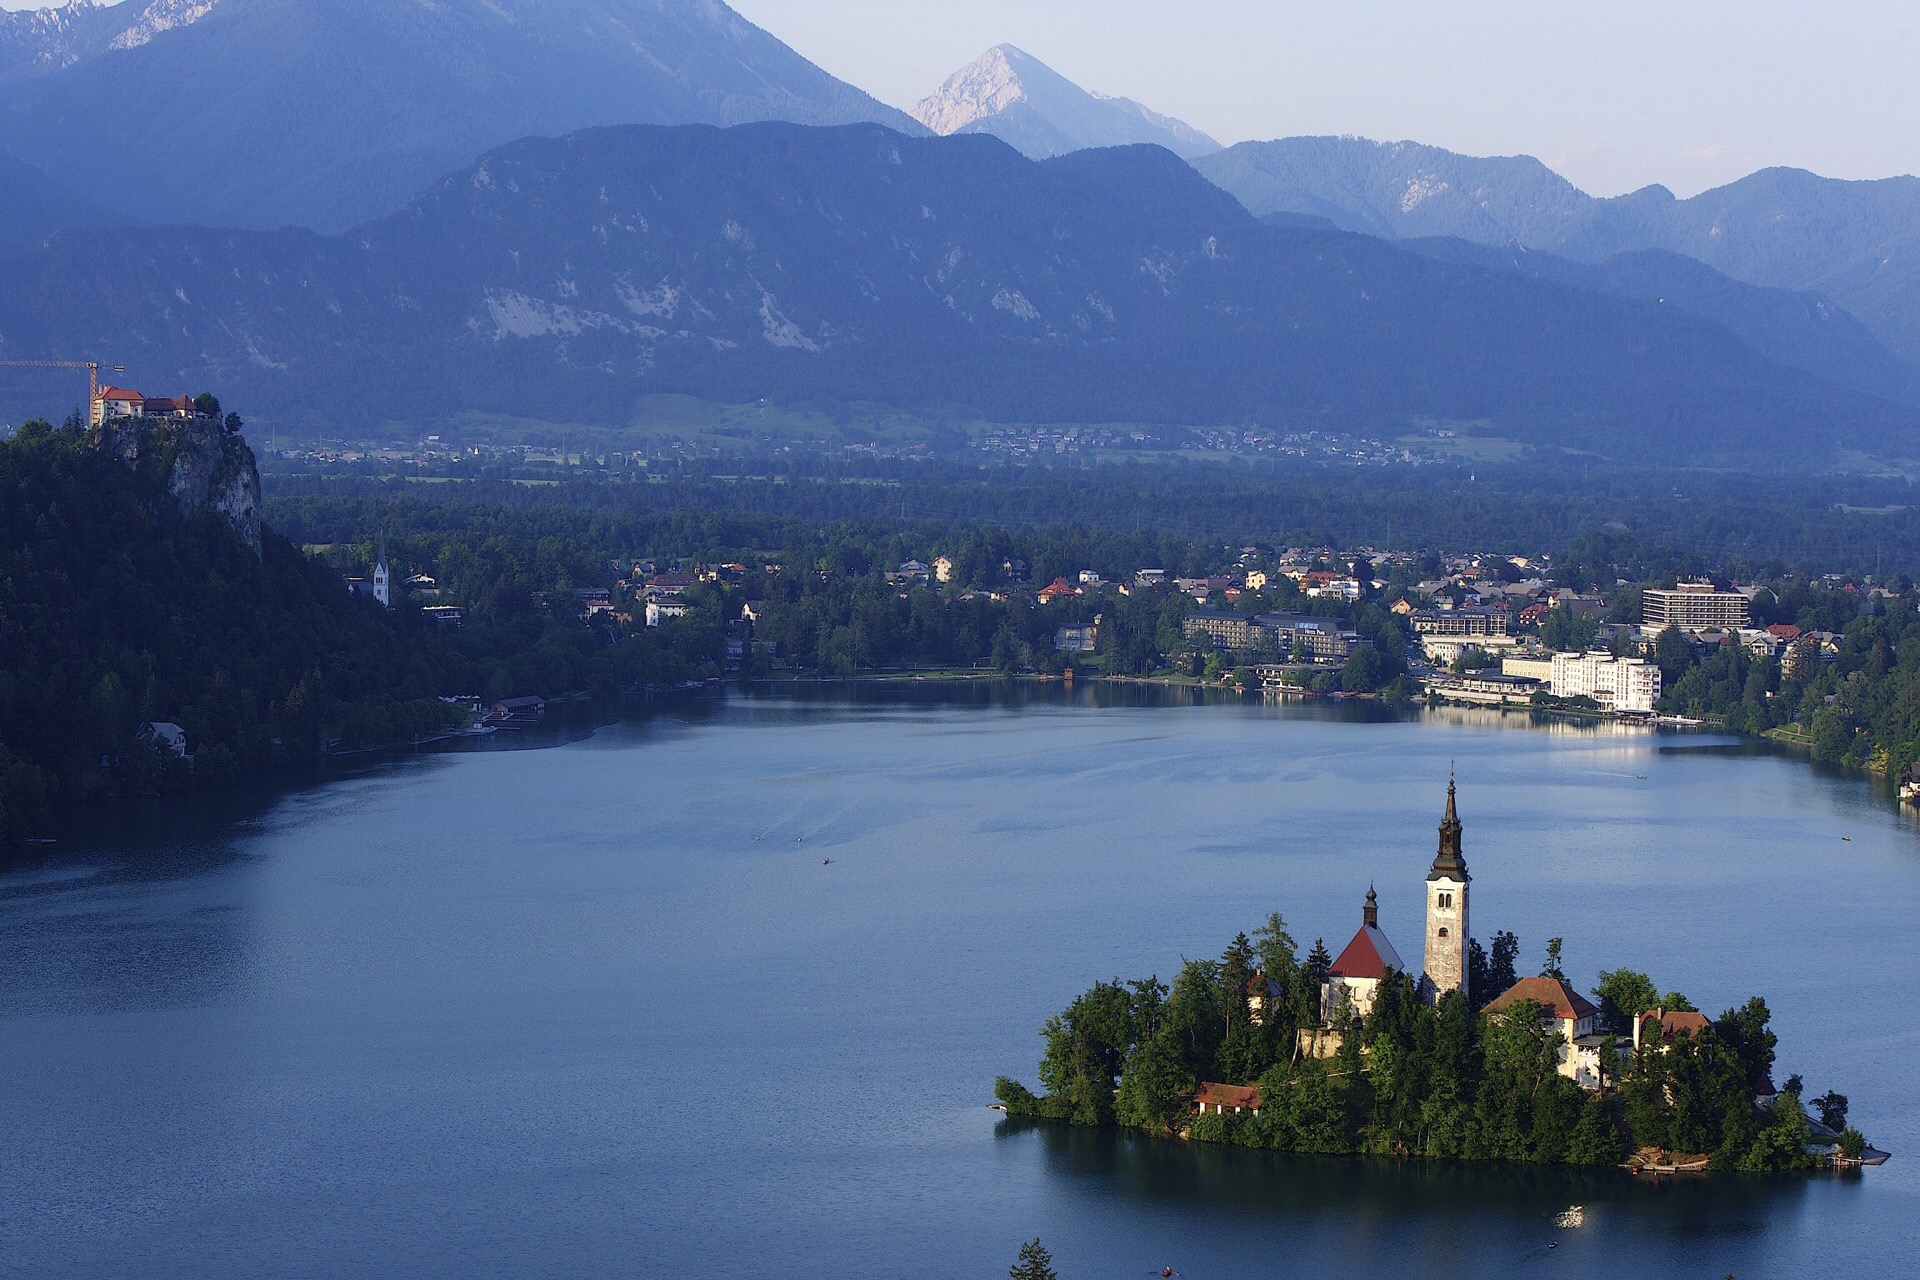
{"x":1446,"y":952}
{"x":383,"y":577}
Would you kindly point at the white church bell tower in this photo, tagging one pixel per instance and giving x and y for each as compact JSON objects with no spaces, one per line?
{"x":383,"y":577}
{"x":1446,"y":955}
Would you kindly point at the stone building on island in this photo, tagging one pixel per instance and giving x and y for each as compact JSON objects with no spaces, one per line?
{"x":1353,"y":980}
{"x":1354,"y":977}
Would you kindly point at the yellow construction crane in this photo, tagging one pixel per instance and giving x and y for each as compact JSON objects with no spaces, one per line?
{"x":91,"y":366}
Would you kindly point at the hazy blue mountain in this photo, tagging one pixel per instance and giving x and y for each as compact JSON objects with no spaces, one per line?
{"x":1399,"y":189}
{"x":1798,"y":329}
{"x":34,"y":206}
{"x":561,"y":279}
{"x":323,"y":113}
{"x":1855,"y":242}
{"x":1022,"y":101}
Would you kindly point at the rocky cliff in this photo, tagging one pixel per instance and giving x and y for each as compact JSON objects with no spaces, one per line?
{"x":204,"y":466}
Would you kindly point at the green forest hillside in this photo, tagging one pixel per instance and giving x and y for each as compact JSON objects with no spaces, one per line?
{"x":118,"y":608}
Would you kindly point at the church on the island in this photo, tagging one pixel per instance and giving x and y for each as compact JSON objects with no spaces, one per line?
{"x":1354,"y":977}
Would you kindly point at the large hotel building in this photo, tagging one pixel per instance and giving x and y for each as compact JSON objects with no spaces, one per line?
{"x":1696,"y":606}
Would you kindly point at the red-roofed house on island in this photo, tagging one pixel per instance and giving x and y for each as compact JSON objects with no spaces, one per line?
{"x":1222,"y":1099}
{"x":1566,"y":1013}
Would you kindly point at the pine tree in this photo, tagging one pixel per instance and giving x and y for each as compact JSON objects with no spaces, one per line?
{"x":1034,"y":1263}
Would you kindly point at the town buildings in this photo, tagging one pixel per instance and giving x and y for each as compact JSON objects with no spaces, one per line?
{"x":1461,"y":622}
{"x":1310,"y":637}
{"x":1695,"y":606}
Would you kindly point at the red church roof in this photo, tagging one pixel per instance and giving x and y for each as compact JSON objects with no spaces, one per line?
{"x":1369,"y":955}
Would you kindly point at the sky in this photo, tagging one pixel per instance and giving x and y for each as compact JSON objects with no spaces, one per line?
{"x":1614,"y":94}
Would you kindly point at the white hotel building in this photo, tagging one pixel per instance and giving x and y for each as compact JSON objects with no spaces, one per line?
{"x":1621,"y":684}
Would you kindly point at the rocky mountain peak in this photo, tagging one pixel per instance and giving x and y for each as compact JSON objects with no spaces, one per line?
{"x":159,"y":17}
{"x":1019,"y":99}
{"x":983,"y":88}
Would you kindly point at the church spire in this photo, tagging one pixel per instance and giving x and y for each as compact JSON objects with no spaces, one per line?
{"x":1448,"y":864}
{"x":1370,"y":914}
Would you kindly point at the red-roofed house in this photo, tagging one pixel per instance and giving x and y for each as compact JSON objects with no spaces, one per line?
{"x":1568,"y":1013}
{"x":1222,"y":1098}
{"x":1662,"y":1025}
{"x":1353,"y":979}
{"x":119,"y":402}
{"x":1058,"y":589}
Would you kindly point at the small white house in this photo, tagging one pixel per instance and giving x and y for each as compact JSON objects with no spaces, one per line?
{"x":169,"y":735}
{"x":659,"y":610}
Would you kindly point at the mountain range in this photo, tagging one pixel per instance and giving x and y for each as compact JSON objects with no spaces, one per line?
{"x":268,"y":113}
{"x":1857,"y":243}
{"x":263,"y":113}
{"x":1022,"y":101}
{"x":563,"y":279}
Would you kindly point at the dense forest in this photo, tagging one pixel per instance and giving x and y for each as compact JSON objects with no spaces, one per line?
{"x":1431,"y":1081}
{"x":119,"y":610}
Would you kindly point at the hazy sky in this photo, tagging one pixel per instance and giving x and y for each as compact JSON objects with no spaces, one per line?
{"x":1613,"y":93}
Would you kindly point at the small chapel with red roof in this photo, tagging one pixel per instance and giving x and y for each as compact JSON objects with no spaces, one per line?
{"x":1354,"y":977}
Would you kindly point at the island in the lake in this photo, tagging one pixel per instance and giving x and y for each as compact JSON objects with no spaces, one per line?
{"x":1463,"y":1060}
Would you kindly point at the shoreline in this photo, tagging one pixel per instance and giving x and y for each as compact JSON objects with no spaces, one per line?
{"x":583,"y":708}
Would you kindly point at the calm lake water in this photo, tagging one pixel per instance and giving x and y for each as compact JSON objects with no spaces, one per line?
{"x":606,"y":1009}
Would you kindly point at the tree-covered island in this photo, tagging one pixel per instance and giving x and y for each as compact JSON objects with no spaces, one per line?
{"x":1466,"y":1061}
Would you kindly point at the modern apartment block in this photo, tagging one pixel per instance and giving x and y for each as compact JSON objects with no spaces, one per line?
{"x":1696,"y":606}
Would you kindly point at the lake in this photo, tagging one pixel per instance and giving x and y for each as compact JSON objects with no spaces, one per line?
{"x":721,"y":990}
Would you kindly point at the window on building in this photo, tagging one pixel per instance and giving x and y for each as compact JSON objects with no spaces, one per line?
{"x":1446,"y":902}
{"x":1443,"y":931}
